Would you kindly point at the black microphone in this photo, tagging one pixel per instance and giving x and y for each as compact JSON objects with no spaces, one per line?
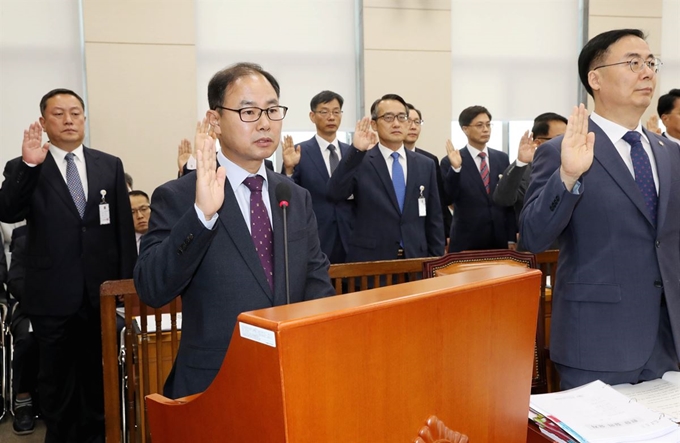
{"x":283,"y":197}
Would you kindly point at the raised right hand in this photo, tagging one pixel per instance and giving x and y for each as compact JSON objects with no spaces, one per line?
{"x":291,"y":155}
{"x":364,"y":138}
{"x":454,"y":155}
{"x":183,"y":153}
{"x":32,"y":149}
{"x":527,"y":148}
{"x":577,"y":147}
{"x":209,"y":181}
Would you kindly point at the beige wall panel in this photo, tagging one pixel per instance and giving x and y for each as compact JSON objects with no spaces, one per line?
{"x":139,"y":21}
{"x":425,"y":82}
{"x":142,"y":102}
{"x":407,"y":29}
{"x":409,"y":4}
{"x":650,"y":26}
{"x":626,"y":8}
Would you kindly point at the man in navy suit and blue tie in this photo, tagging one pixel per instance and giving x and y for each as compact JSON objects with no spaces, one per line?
{"x":470,"y":177}
{"x":398,"y":212}
{"x":216,"y":236}
{"x":610,"y":191}
{"x":311,"y":163}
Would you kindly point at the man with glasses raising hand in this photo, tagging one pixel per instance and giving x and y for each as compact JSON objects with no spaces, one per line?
{"x":609,"y":190}
{"x":398,"y":213}
{"x":216,"y":236}
{"x":470,"y":177}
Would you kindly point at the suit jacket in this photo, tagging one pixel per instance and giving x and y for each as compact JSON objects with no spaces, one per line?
{"x":512,"y":187}
{"x":218,"y":272}
{"x":333,"y":218}
{"x":446,"y":213}
{"x":614,"y":263}
{"x":68,"y":258}
{"x":379,"y":225}
{"x":478,"y":223}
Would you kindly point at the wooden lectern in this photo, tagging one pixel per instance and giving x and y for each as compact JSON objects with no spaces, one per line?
{"x":372,"y":366}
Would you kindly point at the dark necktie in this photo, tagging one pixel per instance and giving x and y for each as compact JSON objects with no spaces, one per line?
{"x":334,"y":160}
{"x":260,"y":227}
{"x":643,"y":172}
{"x":484,"y":171}
{"x":398,"y":180}
{"x":75,"y":186}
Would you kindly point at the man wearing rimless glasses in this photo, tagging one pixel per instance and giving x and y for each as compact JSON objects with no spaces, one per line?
{"x":609,"y":190}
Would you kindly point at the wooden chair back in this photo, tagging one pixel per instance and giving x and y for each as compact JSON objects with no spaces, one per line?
{"x":145,"y":345}
{"x":468,"y":260}
{"x":359,"y":276}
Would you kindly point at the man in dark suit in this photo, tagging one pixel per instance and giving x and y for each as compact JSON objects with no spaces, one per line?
{"x":610,"y":191}
{"x":415,"y":122}
{"x":668,"y":108}
{"x":513,"y":184}
{"x":398,"y":212}
{"x":311,"y":163}
{"x":470,"y":176}
{"x":210,"y":237}
{"x":75,"y":203}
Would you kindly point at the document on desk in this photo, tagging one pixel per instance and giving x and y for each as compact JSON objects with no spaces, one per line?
{"x":661,"y":395}
{"x":596,"y":413}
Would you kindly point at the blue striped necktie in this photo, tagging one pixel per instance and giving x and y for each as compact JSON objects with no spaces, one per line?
{"x":398,"y":180}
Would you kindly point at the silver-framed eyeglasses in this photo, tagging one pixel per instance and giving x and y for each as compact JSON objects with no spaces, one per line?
{"x":325,"y":113}
{"x":144,"y":209}
{"x":480,"y":125}
{"x":253,"y":114}
{"x":416,"y":121}
{"x":389,"y":118}
{"x":636,"y":64}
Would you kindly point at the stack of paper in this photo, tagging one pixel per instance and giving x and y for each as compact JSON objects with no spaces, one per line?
{"x":596,"y":413}
{"x":661,"y":395}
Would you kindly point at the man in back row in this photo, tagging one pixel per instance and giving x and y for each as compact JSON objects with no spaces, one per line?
{"x":311,"y":163}
{"x":398,"y":212}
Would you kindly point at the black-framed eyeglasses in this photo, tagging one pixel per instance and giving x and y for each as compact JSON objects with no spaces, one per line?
{"x":253,"y":114}
{"x":636,"y":64}
{"x":389,"y":118}
{"x":145,"y":209}
{"x":416,"y":121}
{"x":325,"y":113}
{"x":481,"y":125}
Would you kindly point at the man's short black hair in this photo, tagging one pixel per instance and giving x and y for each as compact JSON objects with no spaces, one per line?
{"x":667,"y":102}
{"x":395,"y":97}
{"x":58,"y":91}
{"x":222,"y":79}
{"x":138,"y":193}
{"x":542,"y":123}
{"x":128,"y":180}
{"x":410,"y":108}
{"x":469,"y":114}
{"x":595,"y":51}
{"x":325,"y":97}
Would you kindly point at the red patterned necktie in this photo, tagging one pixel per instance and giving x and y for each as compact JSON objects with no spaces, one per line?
{"x":643,"y":172}
{"x":484,"y":171}
{"x":260,"y":227}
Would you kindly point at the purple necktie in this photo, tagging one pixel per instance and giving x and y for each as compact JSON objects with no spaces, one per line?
{"x":484,"y":171}
{"x":260,"y":227}
{"x":643,"y":172}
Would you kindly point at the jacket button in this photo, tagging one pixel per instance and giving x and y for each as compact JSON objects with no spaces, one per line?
{"x":657,"y":243}
{"x":658,"y":284}
{"x":83,"y":229}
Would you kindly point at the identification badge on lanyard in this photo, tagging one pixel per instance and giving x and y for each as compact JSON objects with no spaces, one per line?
{"x":104,"y":215}
{"x":422,"y":207}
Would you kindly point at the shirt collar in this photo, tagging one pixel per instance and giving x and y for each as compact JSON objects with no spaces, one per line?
{"x":237,"y":174}
{"x":387,"y":152}
{"x":60,"y":155}
{"x":671,"y":138}
{"x":474,"y":152}
{"x":323,"y":144}
{"x":614,"y":131}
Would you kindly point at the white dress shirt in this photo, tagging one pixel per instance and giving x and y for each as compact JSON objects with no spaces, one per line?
{"x":326,"y":153}
{"x":79,"y":160}
{"x":387,"y":155}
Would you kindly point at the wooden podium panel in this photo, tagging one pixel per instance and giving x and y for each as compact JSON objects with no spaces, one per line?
{"x":372,"y":366}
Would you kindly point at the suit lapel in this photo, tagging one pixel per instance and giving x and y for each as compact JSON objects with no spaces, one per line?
{"x":279,"y":296}
{"x":53,"y":176}
{"x":413,"y":179}
{"x":378,"y":162}
{"x":663,"y":169}
{"x":95,"y":184}
{"x":609,"y":158}
{"x":317,"y":159}
{"x":233,"y":222}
